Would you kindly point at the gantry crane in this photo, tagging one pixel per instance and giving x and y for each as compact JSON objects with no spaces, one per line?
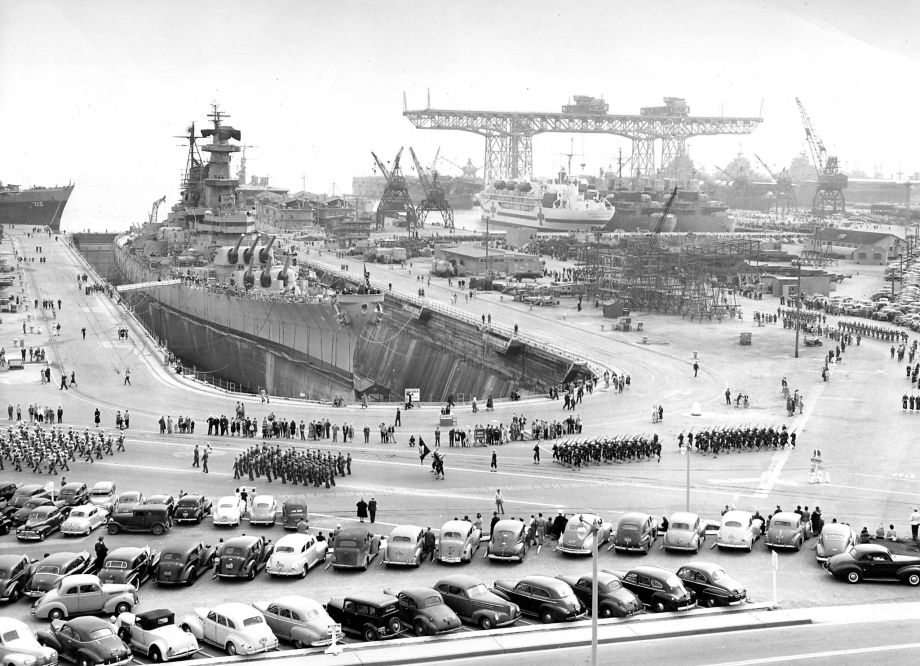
{"x":829,"y":196}
{"x":395,"y":197}
{"x":434,"y":200}
{"x":784,"y":198}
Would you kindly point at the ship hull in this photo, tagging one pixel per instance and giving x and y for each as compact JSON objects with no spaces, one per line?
{"x":698,"y":224}
{"x":633,"y":222}
{"x":36,"y":207}
{"x":543,"y":218}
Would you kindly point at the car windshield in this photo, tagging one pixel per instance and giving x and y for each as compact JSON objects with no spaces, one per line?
{"x":171,"y":557}
{"x":48,"y":569}
{"x":346,"y":544}
{"x":629,"y":527}
{"x":454,"y":535}
{"x":101,"y":632}
{"x":311,"y":614}
{"x":402,"y":539}
{"x":679,"y":526}
{"x":732,"y":523}
{"x":129,"y":497}
{"x":37,"y":517}
{"x":284,"y":549}
{"x":476,"y":590}
{"x":116,"y":564}
{"x":231,"y":551}
{"x":250,"y":621}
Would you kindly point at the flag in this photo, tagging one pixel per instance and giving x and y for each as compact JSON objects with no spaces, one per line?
{"x":367,"y":278}
{"x":423,"y":449}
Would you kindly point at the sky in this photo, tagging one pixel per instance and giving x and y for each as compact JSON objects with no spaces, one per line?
{"x":96,"y":91}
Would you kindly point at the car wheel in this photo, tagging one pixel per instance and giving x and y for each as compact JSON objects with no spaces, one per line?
{"x":41,"y":536}
{"x":155,"y":655}
{"x":83,"y":660}
{"x":230,"y":647}
{"x":419,"y":628}
{"x":605,"y":611}
{"x":367,"y":563}
{"x":913,"y":580}
{"x":709,"y":602}
{"x":298,"y":644}
{"x":56,"y":614}
{"x":370,"y":634}
{"x":157,"y":530}
{"x":192,"y":577}
{"x":485,"y":623}
{"x":113,"y":528}
{"x":546,"y":617}
{"x":658,"y":607}
{"x":394,"y":625}
{"x":854,"y":577}
{"x":303,"y":574}
{"x":252,"y":573}
{"x":123,"y":607}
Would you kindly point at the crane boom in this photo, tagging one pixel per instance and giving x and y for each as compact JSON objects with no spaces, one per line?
{"x":155,"y":208}
{"x":815,"y":145}
{"x":383,"y":169}
{"x":422,"y":177}
{"x":764,"y":164}
{"x":664,"y":213}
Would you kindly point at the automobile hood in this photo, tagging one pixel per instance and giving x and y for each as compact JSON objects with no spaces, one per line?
{"x":30,"y":646}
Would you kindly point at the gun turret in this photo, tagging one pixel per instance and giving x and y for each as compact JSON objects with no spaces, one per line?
{"x":283,"y":276}
{"x":248,"y":279}
{"x":248,"y":253}
{"x":233,"y":256}
{"x":265,"y":252}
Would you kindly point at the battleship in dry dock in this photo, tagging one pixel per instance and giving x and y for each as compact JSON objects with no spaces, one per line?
{"x":208,"y":285}
{"x":35,"y":207}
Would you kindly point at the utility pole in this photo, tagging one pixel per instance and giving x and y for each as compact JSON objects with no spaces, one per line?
{"x":798,"y":306}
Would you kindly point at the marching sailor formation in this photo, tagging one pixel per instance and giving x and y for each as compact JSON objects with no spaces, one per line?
{"x":46,"y":450}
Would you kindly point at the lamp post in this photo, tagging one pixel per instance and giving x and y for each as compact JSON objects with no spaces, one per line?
{"x":593,"y":527}
{"x":798,"y":306}
{"x":694,"y":411}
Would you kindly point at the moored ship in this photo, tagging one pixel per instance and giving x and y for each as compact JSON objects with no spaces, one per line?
{"x":691,"y":212}
{"x":556,"y":206}
{"x":36,"y":206}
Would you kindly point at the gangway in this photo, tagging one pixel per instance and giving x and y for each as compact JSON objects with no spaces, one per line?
{"x":145,"y":285}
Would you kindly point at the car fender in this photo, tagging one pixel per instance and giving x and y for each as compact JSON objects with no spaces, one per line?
{"x":159,"y":643}
{"x":195,"y":625}
{"x":548,"y":608}
{"x":48,"y":639}
{"x":904,"y":572}
{"x":44,"y":612}
{"x":18,"y":659}
{"x":305,"y":635}
{"x":111,"y":603}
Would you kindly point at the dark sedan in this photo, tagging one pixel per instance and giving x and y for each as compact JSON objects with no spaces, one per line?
{"x":475,"y":603}
{"x":86,"y":640}
{"x":243,"y":557}
{"x":50,"y":570}
{"x":424,"y":610}
{"x":129,"y":565}
{"x":15,"y":571}
{"x":874,"y":562}
{"x":41,"y":522}
{"x":613,"y":600}
{"x":73,"y":494}
{"x":182,"y":564}
{"x":547,"y":598}
{"x":22,"y":495}
{"x":192,"y":508}
{"x":659,"y":589}
{"x":22,"y":514}
{"x":711,"y":585}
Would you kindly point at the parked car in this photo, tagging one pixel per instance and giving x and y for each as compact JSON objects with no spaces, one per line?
{"x":686,"y":531}
{"x":47,"y":572}
{"x":578,"y":537}
{"x":874,"y":562}
{"x":404,"y":546}
{"x":131,"y":565}
{"x":23,"y":494}
{"x":102,"y":494}
{"x":475,"y":603}
{"x":7,"y":488}
{"x":181,"y":564}
{"x":6,"y":525}
{"x":613,"y":600}
{"x":835,"y":538}
{"x":263,"y":511}
{"x":295,"y":555}
{"x":354,"y":548}
{"x":192,"y":509}
{"x":149,"y":518}
{"x":549,"y":599}
{"x":423,"y":609}
{"x":74,"y":493}
{"x":243,"y":557}
{"x":228,"y":512}
{"x":458,"y":541}
{"x":43,"y":521}
{"x":293,"y":510}
{"x":740,"y":529}
{"x":154,"y":634}
{"x":373,"y":616}
{"x":84,"y":594}
{"x":711,"y":585}
{"x":20,"y":647}
{"x":22,"y":514}
{"x":659,"y":589}
{"x":635,"y":532}
{"x":235,"y":627}
{"x":15,"y":571}
{"x":166,"y":500}
{"x":126,"y":501}
{"x":86,"y":641}
{"x":508,"y":541}
{"x":82,"y":520}
{"x":787,"y":530}
{"x":302,"y":621}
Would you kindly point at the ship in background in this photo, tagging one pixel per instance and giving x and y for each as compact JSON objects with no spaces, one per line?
{"x":34,"y":207}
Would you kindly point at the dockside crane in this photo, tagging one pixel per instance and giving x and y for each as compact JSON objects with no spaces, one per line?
{"x":784,"y":199}
{"x":434,"y":200}
{"x":395,"y":197}
{"x":154,"y":208}
{"x":829,"y":197}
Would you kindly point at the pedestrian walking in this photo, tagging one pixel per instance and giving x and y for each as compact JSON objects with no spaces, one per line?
{"x":63,"y":383}
{"x":372,"y":509}
{"x":204,"y":460}
{"x":127,"y":377}
{"x":398,"y":421}
{"x":696,"y":368}
{"x":494,"y":464}
{"x":362,"y":509}
{"x":914,"y":523}
{"x":536,"y":454}
{"x":499,"y":502}
{"x":83,"y":331}
{"x":195,"y":457}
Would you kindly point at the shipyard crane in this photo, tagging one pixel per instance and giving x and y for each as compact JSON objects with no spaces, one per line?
{"x":434,"y":200}
{"x":434,"y":162}
{"x":829,"y":196}
{"x":785,"y":199}
{"x":154,"y":208}
{"x":469,"y":169}
{"x":395,"y":199}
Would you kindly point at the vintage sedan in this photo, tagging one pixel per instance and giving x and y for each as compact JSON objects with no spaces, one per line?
{"x":82,"y":520}
{"x":166,"y":500}
{"x":228,"y":512}
{"x":43,"y":521}
{"x":787,"y":530}
{"x":659,"y":589}
{"x":15,"y":571}
{"x":740,"y":529}
{"x":424,"y":610}
{"x":354,"y":548}
{"x":73,"y":494}
{"x":127,"y":500}
{"x":83,"y":594}
{"x":86,"y":641}
{"x":152,"y":518}
{"x":7,"y":488}
{"x":473,"y":602}
{"x":192,"y":509}
{"x":182,"y":564}
{"x":293,"y":511}
{"x":264,"y":510}
{"x":459,"y":540}
{"x":19,"y":647}
{"x":686,"y":531}
{"x":874,"y":562}
{"x":103,"y":494}
{"x":23,"y":494}
{"x":711,"y":585}
{"x":508,"y":541}
{"x":6,"y":525}
{"x":835,"y":538}
{"x":22,"y":514}
{"x":404,"y":546}
{"x":373,"y":616}
{"x":549,"y":599}
{"x":295,"y":555}
{"x":613,"y":600}
{"x":578,"y":537}
{"x":636,"y":532}
{"x":53,"y":568}
{"x":129,"y":565}
{"x":154,"y":634}
{"x":243,"y":557}
{"x":235,"y":627}
{"x":302,"y":621}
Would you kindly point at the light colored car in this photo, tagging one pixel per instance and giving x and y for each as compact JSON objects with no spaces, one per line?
{"x":295,"y":554}
{"x":787,"y":530}
{"x":739,"y":530}
{"x":835,"y":538}
{"x":83,"y":594}
{"x":508,"y":540}
{"x":459,"y":540}
{"x":404,"y":546}
{"x":301,"y":621}
{"x":264,"y":510}
{"x":54,"y":567}
{"x":228,"y":511}
{"x":686,"y":531}
{"x":127,"y":500}
{"x":155,"y":634}
{"x":235,"y":627}
{"x":84,"y":519}
{"x":578,"y":537}
{"x":19,"y":647}
{"x":102,"y":494}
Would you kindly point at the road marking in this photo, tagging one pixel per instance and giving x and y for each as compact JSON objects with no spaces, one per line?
{"x":818,"y":655}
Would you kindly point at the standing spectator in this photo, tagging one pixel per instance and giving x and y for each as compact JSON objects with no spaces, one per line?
{"x":398,"y":421}
{"x":195,"y":457}
{"x":97,"y":417}
{"x":696,"y":368}
{"x":101,"y":551}
{"x":204,"y":459}
{"x":493,"y":466}
{"x":362,"y":509}
{"x":495,"y":519}
{"x":127,"y":377}
{"x":73,"y":378}
{"x":372,"y":509}
{"x":499,"y":501}
{"x":429,"y":544}
{"x":914,"y":523}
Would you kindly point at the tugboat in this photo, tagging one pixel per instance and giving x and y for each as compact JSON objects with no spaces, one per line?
{"x":208,"y":285}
